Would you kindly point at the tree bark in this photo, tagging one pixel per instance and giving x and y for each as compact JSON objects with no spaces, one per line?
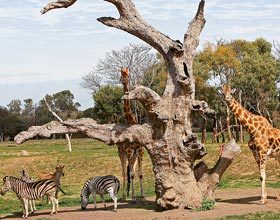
{"x":167,"y":135}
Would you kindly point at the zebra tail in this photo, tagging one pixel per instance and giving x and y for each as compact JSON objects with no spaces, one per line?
{"x":128,"y":180}
{"x":117,"y":186}
{"x":61,"y":189}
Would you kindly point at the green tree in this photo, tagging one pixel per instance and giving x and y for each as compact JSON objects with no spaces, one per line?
{"x":64,"y":101}
{"x":108,"y":106}
{"x":10,"y":124}
{"x":15,"y":106}
{"x":258,"y":76}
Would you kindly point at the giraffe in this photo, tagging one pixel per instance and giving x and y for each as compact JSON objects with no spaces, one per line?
{"x":130,"y":153}
{"x":264,"y":139}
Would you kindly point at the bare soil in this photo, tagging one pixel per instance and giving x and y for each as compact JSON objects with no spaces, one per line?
{"x":228,"y":202}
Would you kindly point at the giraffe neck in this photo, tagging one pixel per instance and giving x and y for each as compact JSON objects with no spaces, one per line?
{"x":246,"y":118}
{"x":127,"y":110}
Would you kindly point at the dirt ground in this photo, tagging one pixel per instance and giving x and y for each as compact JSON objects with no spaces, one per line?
{"x":228,"y":202}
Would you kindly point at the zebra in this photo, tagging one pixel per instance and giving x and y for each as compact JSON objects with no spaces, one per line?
{"x":26,"y":178}
{"x":100,"y":185}
{"x":31,"y":191}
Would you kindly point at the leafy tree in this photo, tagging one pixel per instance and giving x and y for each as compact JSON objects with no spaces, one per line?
{"x":64,"y":101}
{"x":15,"y":106}
{"x":10,"y":124}
{"x":108,"y":106}
{"x":258,"y":76}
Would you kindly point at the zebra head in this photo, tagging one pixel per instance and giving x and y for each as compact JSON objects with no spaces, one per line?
{"x":6,"y":185}
{"x":84,"y":201}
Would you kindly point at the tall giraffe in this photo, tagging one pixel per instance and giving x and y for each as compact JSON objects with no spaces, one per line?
{"x":264,"y":139}
{"x":130,"y":153}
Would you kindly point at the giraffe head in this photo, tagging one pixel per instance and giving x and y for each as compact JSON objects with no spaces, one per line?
{"x":227,"y":92}
{"x":124,"y":75}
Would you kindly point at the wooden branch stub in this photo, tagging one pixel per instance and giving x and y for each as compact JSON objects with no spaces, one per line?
{"x":191,"y":38}
{"x":57,"y":4}
{"x":201,"y":106}
{"x":209,"y":181}
{"x":145,"y":95}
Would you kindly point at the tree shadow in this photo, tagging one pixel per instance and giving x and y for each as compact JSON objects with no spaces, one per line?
{"x":246,"y":200}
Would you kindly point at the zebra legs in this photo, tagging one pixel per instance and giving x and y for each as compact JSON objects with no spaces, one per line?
{"x":24,"y":203}
{"x":32,"y":206}
{"x":54,"y":203}
{"x":94,"y":198}
{"x":103,"y":200}
{"x":114,"y":197}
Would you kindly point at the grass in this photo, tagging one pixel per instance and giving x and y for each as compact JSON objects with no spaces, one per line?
{"x":90,"y":158}
{"x":257,"y":216}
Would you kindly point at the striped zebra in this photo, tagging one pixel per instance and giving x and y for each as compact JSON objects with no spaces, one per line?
{"x":26,"y":178}
{"x":31,"y":191}
{"x":100,"y":185}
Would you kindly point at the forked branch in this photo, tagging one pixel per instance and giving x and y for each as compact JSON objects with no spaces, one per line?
{"x":69,"y":145}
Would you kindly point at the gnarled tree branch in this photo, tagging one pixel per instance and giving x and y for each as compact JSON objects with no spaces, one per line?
{"x":57,"y":4}
{"x":145,"y":95}
{"x":108,"y":133}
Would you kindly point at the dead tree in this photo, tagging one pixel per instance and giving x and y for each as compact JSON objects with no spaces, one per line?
{"x":167,"y":134}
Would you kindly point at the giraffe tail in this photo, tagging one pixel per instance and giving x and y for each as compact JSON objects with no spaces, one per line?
{"x":128,"y":180}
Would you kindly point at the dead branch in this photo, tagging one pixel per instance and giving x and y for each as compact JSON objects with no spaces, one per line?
{"x":208,"y":179}
{"x":57,"y":4}
{"x":108,"y":133}
{"x":59,"y":119}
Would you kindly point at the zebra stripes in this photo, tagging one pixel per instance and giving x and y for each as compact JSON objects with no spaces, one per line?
{"x":26,"y":178}
{"x":100,"y":185}
{"x":31,"y":191}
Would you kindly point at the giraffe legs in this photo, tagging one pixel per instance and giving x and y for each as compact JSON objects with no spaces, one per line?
{"x":132,"y":156}
{"x":140,"y":172}
{"x":278,"y":197}
{"x":261,"y":160}
{"x":123,"y":158}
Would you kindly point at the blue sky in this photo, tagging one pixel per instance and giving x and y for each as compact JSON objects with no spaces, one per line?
{"x":50,"y":53}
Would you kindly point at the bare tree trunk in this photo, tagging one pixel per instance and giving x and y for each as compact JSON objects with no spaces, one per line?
{"x":236,"y":128}
{"x":1,"y":137}
{"x":221,"y":130}
{"x":167,"y":135}
{"x":215,"y":137}
{"x":68,"y":138}
{"x":228,"y":124}
{"x":203,"y":131}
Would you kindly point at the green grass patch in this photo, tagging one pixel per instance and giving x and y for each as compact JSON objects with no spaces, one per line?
{"x":207,"y":204}
{"x":257,"y":216}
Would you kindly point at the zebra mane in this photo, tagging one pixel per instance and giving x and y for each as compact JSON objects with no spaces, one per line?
{"x":85,"y":190}
{"x":11,"y":178}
